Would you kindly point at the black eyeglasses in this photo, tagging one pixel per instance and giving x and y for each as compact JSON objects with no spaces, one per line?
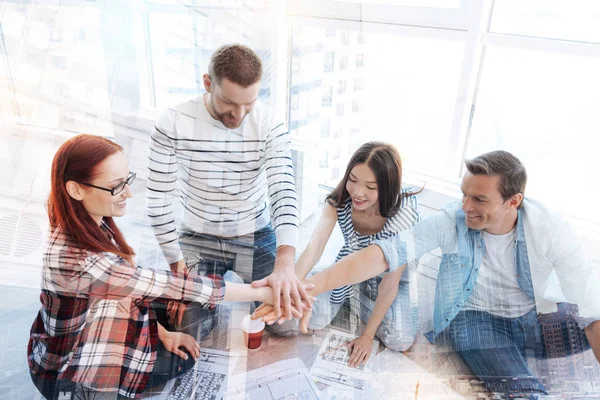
{"x":117,"y":189}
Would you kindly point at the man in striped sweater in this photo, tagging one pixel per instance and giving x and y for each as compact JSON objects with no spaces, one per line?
{"x":232,"y":160}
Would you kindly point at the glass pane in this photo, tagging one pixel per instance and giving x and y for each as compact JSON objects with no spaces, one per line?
{"x":46,"y":85}
{"x":182,"y":39}
{"x":177,"y":61}
{"x":557,"y":19}
{"x":543,"y":107}
{"x":392,"y":88}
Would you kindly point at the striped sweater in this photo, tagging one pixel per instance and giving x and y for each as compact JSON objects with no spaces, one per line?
{"x":232,"y":181}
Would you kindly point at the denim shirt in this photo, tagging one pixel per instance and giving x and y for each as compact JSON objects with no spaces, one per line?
{"x":462,"y":254}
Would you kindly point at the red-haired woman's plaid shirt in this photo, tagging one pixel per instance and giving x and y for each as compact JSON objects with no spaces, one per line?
{"x":95,"y":325}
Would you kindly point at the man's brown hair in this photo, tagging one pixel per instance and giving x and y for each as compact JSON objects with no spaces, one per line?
{"x":509,"y":168}
{"x":236,"y":62}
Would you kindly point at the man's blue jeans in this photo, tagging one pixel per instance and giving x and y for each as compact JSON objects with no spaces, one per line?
{"x":251,"y":256}
{"x":209,"y":254}
{"x":494,"y":348}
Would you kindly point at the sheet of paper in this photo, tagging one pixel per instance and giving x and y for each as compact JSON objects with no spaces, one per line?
{"x":208,"y":378}
{"x":331,"y":368}
{"x":283,"y":380}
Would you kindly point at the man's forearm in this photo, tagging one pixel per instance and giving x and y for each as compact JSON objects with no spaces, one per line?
{"x":355,"y":268}
{"x":284,"y":258}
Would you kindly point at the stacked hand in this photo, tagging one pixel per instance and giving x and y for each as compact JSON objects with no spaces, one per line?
{"x":266,"y":313}
{"x":288,"y":293}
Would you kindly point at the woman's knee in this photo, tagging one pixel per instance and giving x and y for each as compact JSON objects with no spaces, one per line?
{"x":316,"y":324}
{"x":399,"y":332}
{"x":397,"y":342}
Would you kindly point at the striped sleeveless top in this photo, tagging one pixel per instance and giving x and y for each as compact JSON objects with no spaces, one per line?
{"x":407,"y":216}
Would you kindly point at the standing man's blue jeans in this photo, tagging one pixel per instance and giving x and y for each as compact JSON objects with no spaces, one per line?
{"x":251,"y":256}
{"x":494,"y":348}
{"x":209,"y":254}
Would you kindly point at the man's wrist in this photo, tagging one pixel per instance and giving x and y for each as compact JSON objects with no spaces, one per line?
{"x":285,"y":256}
{"x":284,"y":267}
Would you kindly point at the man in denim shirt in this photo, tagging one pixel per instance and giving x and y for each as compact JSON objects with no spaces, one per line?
{"x":505,"y":260}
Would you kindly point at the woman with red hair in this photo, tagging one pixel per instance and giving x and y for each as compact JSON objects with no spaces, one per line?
{"x":96,"y":328}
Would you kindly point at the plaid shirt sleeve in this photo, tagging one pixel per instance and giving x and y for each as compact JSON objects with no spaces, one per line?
{"x":105,"y":276}
{"x":72,"y":272}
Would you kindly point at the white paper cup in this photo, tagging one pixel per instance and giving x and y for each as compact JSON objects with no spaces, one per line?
{"x":253,"y":332}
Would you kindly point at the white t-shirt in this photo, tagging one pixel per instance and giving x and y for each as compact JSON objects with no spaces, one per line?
{"x":497,"y":289}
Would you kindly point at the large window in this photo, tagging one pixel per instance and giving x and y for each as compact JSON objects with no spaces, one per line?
{"x":403,"y":92}
{"x":542,"y":107}
{"x":444,"y":82}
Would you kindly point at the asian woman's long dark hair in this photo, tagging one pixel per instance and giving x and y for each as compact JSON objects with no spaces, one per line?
{"x":384,"y":160}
